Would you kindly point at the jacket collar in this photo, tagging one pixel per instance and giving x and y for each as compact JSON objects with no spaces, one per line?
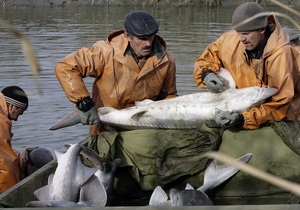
{"x":3,"y":105}
{"x":277,"y":38}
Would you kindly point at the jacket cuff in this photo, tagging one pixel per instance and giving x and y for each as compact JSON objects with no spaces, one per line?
{"x":239,"y":122}
{"x":85,"y":104}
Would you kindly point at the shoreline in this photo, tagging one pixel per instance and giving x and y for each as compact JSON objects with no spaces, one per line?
{"x":175,"y":3}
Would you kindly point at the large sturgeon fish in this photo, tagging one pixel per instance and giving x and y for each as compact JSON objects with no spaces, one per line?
{"x":183,"y":112}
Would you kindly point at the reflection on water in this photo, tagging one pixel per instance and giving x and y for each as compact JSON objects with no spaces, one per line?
{"x":55,"y":32}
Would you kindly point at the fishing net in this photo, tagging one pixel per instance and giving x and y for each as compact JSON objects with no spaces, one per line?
{"x":171,"y":158}
{"x":157,"y":157}
{"x":275,"y":149}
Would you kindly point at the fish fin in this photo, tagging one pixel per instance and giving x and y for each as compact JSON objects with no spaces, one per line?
{"x":53,"y":204}
{"x":84,"y":171}
{"x":37,"y":204}
{"x":216,"y":175}
{"x":227,"y":77}
{"x":93,"y":156}
{"x":107,"y":179}
{"x":189,"y":187}
{"x":58,"y":155}
{"x":43,"y":193}
{"x":137,"y":115}
{"x":158,"y":196}
{"x":50,"y":179}
{"x":71,"y":119}
{"x":143,"y":102}
{"x":93,"y":193}
{"x":189,"y":198}
{"x":105,"y":110}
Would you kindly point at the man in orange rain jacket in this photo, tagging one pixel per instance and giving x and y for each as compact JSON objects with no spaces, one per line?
{"x":15,"y":166}
{"x":256,"y":54}
{"x":13,"y":102}
{"x":132,"y":65}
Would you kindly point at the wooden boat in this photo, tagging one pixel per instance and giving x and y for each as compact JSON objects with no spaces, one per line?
{"x":270,"y":154}
{"x":21,"y":193}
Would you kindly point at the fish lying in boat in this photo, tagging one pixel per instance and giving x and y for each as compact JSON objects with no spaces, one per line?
{"x":214,"y":176}
{"x":183,"y":112}
{"x":73,"y":184}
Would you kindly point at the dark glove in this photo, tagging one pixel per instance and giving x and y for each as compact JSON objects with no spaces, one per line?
{"x":213,"y":82}
{"x":88,"y":112}
{"x":229,"y":120}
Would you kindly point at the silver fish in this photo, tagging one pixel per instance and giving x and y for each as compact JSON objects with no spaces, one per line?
{"x":71,"y":178}
{"x":214,"y":176}
{"x":106,"y":177}
{"x":183,"y":112}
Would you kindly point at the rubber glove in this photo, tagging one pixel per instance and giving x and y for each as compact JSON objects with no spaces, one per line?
{"x":90,"y":117}
{"x":229,"y":120}
{"x":214,"y":83}
{"x":88,"y":112}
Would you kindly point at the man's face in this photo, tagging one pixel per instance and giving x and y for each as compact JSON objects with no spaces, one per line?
{"x":14,"y":112}
{"x":141,"y":46}
{"x":252,"y":39}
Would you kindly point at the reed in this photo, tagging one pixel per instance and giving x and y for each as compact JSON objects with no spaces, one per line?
{"x":28,"y":52}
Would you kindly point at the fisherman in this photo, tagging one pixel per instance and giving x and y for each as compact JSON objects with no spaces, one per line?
{"x":293,"y":37}
{"x":13,"y":103}
{"x":131,"y":65}
{"x":257,"y":53}
{"x":33,"y":158}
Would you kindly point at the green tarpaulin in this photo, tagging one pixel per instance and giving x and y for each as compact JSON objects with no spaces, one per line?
{"x":171,"y":158}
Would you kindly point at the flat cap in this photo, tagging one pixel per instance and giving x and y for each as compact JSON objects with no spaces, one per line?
{"x":140,"y":24}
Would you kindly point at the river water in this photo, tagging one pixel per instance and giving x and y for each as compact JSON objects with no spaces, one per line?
{"x":56,"y":32}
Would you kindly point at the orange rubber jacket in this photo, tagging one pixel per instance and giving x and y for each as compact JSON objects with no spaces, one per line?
{"x":278,"y":67}
{"x":9,"y":162}
{"x":119,"y":81}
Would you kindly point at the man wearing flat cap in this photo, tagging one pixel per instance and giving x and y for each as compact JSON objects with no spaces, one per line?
{"x":256,"y":53}
{"x":131,"y":65}
{"x":13,"y":103}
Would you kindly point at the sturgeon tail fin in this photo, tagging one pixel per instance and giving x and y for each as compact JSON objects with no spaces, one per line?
{"x":159,"y":198}
{"x":216,"y":175}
